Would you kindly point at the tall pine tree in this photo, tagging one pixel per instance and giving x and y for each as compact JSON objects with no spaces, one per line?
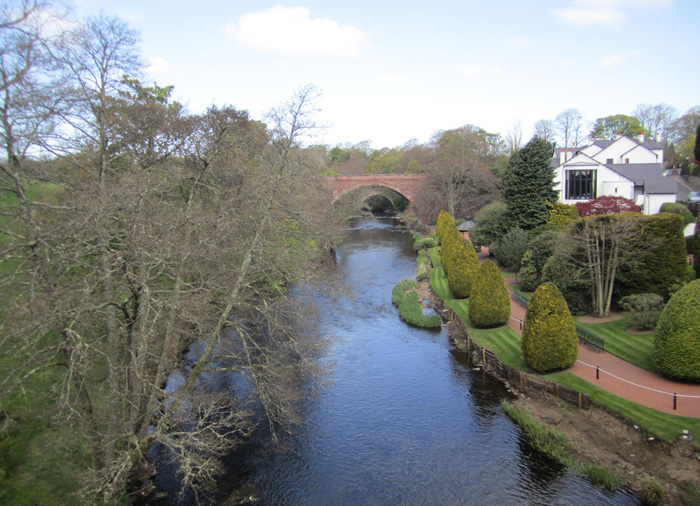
{"x":528,"y":185}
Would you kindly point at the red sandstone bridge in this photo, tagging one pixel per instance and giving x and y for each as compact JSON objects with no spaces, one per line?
{"x":407,"y":185}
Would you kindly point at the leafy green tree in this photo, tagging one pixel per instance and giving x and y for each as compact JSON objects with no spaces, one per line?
{"x":511,"y":248}
{"x":489,"y":300}
{"x":529,"y":184}
{"x":696,"y":151}
{"x":610,"y":127}
{"x":463,"y":267}
{"x":447,"y":251}
{"x":677,"y":337}
{"x":490,"y":224}
{"x":549,"y":339}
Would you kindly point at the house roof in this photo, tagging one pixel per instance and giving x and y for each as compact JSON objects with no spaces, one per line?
{"x":663,"y":185}
{"x":465,"y":226}
{"x":638,"y":172}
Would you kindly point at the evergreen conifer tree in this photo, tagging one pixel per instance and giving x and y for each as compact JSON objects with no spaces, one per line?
{"x":528,"y":185}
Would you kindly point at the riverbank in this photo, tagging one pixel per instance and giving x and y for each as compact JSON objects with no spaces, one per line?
{"x":601,"y":438}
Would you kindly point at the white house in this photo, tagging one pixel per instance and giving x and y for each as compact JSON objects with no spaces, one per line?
{"x":624,"y":167}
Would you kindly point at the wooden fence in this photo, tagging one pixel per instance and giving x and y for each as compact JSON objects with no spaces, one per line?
{"x":520,"y":380}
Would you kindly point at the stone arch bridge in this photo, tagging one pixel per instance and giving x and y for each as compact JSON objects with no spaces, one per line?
{"x":407,"y":185}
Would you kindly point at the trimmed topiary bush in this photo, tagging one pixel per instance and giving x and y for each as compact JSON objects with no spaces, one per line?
{"x":677,"y":337}
{"x":444,"y":219}
{"x":450,"y":237}
{"x":464,"y":264}
{"x":549,"y":335}
{"x":489,"y":300}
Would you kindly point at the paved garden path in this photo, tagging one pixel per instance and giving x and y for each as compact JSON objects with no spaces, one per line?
{"x":623,"y":378}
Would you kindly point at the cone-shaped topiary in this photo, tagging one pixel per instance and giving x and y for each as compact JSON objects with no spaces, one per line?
{"x":677,"y":337}
{"x":450,"y":237}
{"x":444,"y":218}
{"x":489,"y":301}
{"x":463,"y":267}
{"x":549,"y":335}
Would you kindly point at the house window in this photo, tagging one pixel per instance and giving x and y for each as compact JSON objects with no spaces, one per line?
{"x":609,"y":161}
{"x":580,"y":184}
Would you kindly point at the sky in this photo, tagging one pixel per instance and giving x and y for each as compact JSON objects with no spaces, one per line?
{"x":391,"y":72}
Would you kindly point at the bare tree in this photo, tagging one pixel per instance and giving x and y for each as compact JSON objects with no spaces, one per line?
{"x":171,"y":230}
{"x":514,"y":137}
{"x":656,"y":119}
{"x":545,"y":129}
{"x":458,"y":177}
{"x":595,"y":245}
{"x":569,"y":127}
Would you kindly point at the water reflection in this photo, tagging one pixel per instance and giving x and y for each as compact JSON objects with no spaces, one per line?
{"x":405,"y":421}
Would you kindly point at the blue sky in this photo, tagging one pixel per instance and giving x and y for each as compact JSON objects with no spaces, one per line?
{"x":393,"y":71}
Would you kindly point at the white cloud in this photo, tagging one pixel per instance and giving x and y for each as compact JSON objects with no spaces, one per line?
{"x":291,"y":30}
{"x":159,"y":67}
{"x":583,"y":17}
{"x":515,"y":42}
{"x":614,"y":61}
{"x":604,"y":12}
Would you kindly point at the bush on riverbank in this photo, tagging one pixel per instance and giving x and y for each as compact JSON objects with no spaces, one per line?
{"x":405,"y":297}
{"x":489,"y":301}
{"x":549,"y":339}
{"x":463,"y":266}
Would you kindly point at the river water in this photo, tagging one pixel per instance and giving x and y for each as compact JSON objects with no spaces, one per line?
{"x":405,"y":421}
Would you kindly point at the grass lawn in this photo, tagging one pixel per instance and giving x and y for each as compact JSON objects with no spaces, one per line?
{"x":505,"y":342}
{"x":635,"y":348}
{"x":662,"y":425}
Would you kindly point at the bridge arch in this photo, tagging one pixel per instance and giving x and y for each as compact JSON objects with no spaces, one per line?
{"x":407,"y":185}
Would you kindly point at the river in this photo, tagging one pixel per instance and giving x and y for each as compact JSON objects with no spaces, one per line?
{"x":405,"y":421}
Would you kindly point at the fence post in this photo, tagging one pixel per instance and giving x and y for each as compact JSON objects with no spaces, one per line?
{"x":674,"y":401}
{"x":597,"y":372}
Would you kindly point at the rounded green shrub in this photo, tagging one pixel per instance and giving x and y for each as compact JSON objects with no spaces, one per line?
{"x":644,"y":309}
{"x":489,"y":300}
{"x":464,"y":264}
{"x":677,"y":337}
{"x":549,"y":339}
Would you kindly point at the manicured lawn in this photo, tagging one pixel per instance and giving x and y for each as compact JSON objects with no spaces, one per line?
{"x":503,"y":341}
{"x":635,"y":348}
{"x":662,"y":425}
